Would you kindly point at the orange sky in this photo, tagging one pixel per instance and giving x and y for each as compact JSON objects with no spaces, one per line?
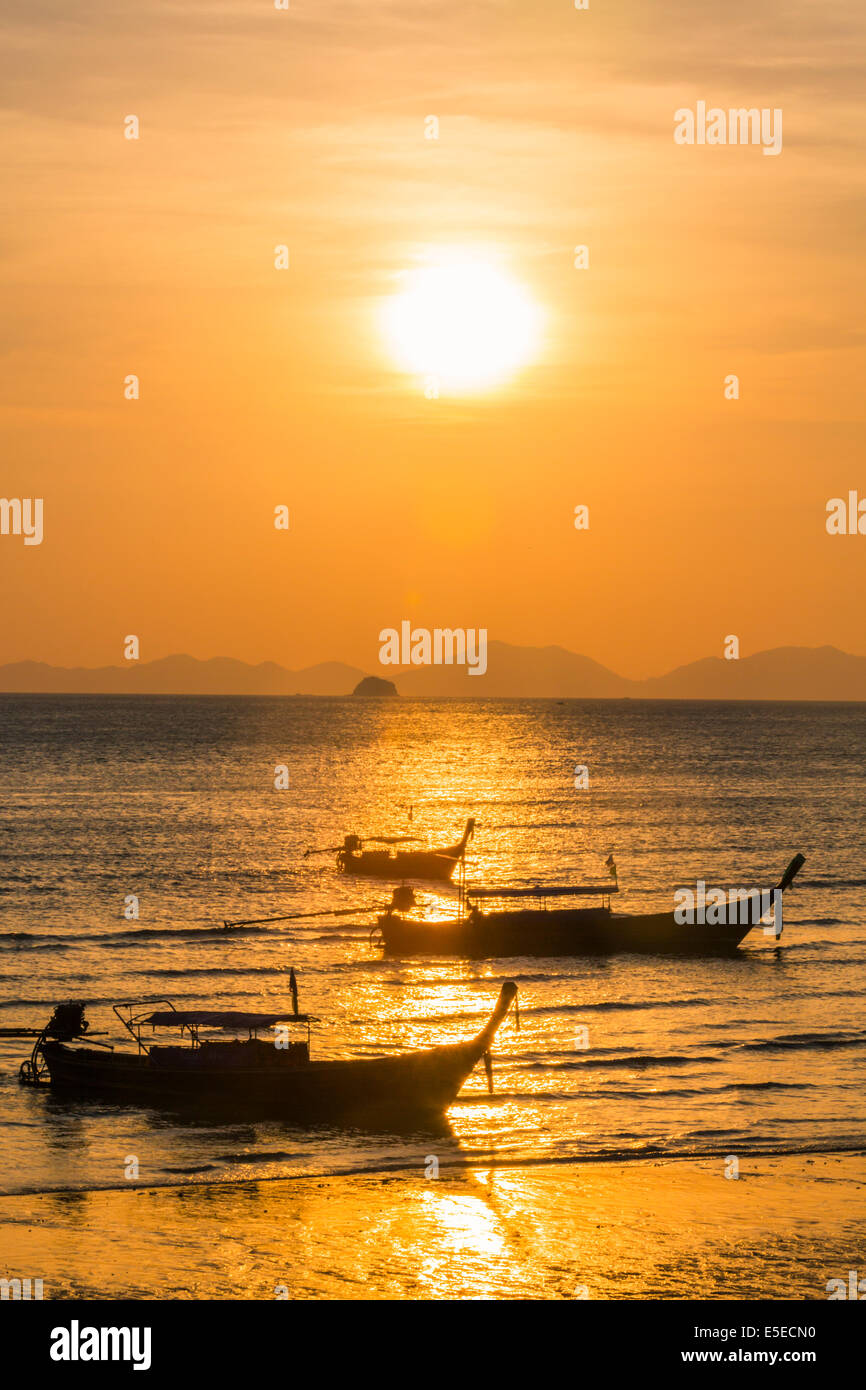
{"x":262,"y":387}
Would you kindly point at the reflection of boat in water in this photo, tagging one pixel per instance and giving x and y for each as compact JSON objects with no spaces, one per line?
{"x":440,"y":864}
{"x":540,"y":930}
{"x":249,"y":1076}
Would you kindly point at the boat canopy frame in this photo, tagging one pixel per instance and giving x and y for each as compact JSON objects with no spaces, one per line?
{"x":468,"y":896}
{"x":134,"y":1016}
{"x":543,"y":891}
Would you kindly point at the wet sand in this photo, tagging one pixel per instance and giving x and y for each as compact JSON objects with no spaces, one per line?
{"x":601,"y":1230}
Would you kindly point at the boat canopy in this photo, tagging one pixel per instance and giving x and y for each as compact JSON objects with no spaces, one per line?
{"x":585,"y":891}
{"x":209,"y":1018}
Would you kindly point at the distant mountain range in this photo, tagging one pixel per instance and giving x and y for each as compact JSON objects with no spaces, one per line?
{"x":785,"y":673}
{"x":180,"y":675}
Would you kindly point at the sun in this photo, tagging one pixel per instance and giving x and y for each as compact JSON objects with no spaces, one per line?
{"x":462,"y":322}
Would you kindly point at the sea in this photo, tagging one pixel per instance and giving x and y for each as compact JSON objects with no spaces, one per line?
{"x":197,"y":812}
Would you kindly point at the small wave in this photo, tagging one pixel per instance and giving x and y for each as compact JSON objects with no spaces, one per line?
{"x":683,"y":1092}
{"x":233,"y":970}
{"x":613,"y":1006}
{"x":819,"y":1041}
{"x":42,"y":946}
{"x":362,"y":935}
{"x":130,"y":936}
{"x":484,"y":1098}
{"x":542,"y":825}
{"x":640,"y":1061}
{"x":834,"y":883}
{"x":276,"y":1156}
{"x":195,"y":1168}
{"x":816,"y":922}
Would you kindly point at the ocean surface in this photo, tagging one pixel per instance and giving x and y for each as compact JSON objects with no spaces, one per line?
{"x":173,"y":800}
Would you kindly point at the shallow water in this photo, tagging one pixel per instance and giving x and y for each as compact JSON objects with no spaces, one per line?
{"x":173,"y":800}
{"x":644,"y":1230}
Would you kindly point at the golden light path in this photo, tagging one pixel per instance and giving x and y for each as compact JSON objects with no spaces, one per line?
{"x":462,"y":322}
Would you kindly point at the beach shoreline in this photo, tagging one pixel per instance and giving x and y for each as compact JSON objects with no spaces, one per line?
{"x":654,"y":1229}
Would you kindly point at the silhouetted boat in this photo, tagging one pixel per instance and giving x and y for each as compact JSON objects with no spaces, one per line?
{"x":439,"y":864}
{"x":249,"y":1077}
{"x":540,"y":930}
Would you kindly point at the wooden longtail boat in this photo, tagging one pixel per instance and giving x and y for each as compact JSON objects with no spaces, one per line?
{"x":539,"y":930}
{"x":249,"y":1077}
{"x":392,"y":863}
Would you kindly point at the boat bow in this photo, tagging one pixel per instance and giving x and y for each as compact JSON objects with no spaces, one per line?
{"x":507,"y":997}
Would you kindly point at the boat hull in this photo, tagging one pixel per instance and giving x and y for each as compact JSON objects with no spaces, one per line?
{"x":561,"y":932}
{"x":423,"y":1082}
{"x":256,"y":1079}
{"x":426,"y":864}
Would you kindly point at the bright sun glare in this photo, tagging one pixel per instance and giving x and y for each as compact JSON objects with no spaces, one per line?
{"x":462,"y":322}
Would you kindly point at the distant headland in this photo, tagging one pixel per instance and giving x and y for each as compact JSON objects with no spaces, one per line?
{"x":375,"y":685}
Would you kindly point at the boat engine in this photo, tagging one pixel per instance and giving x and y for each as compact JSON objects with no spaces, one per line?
{"x":402,"y":899}
{"x":65,"y":1025}
{"x":67,"y":1022}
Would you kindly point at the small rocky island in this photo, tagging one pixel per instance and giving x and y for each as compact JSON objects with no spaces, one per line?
{"x":375,"y":685}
